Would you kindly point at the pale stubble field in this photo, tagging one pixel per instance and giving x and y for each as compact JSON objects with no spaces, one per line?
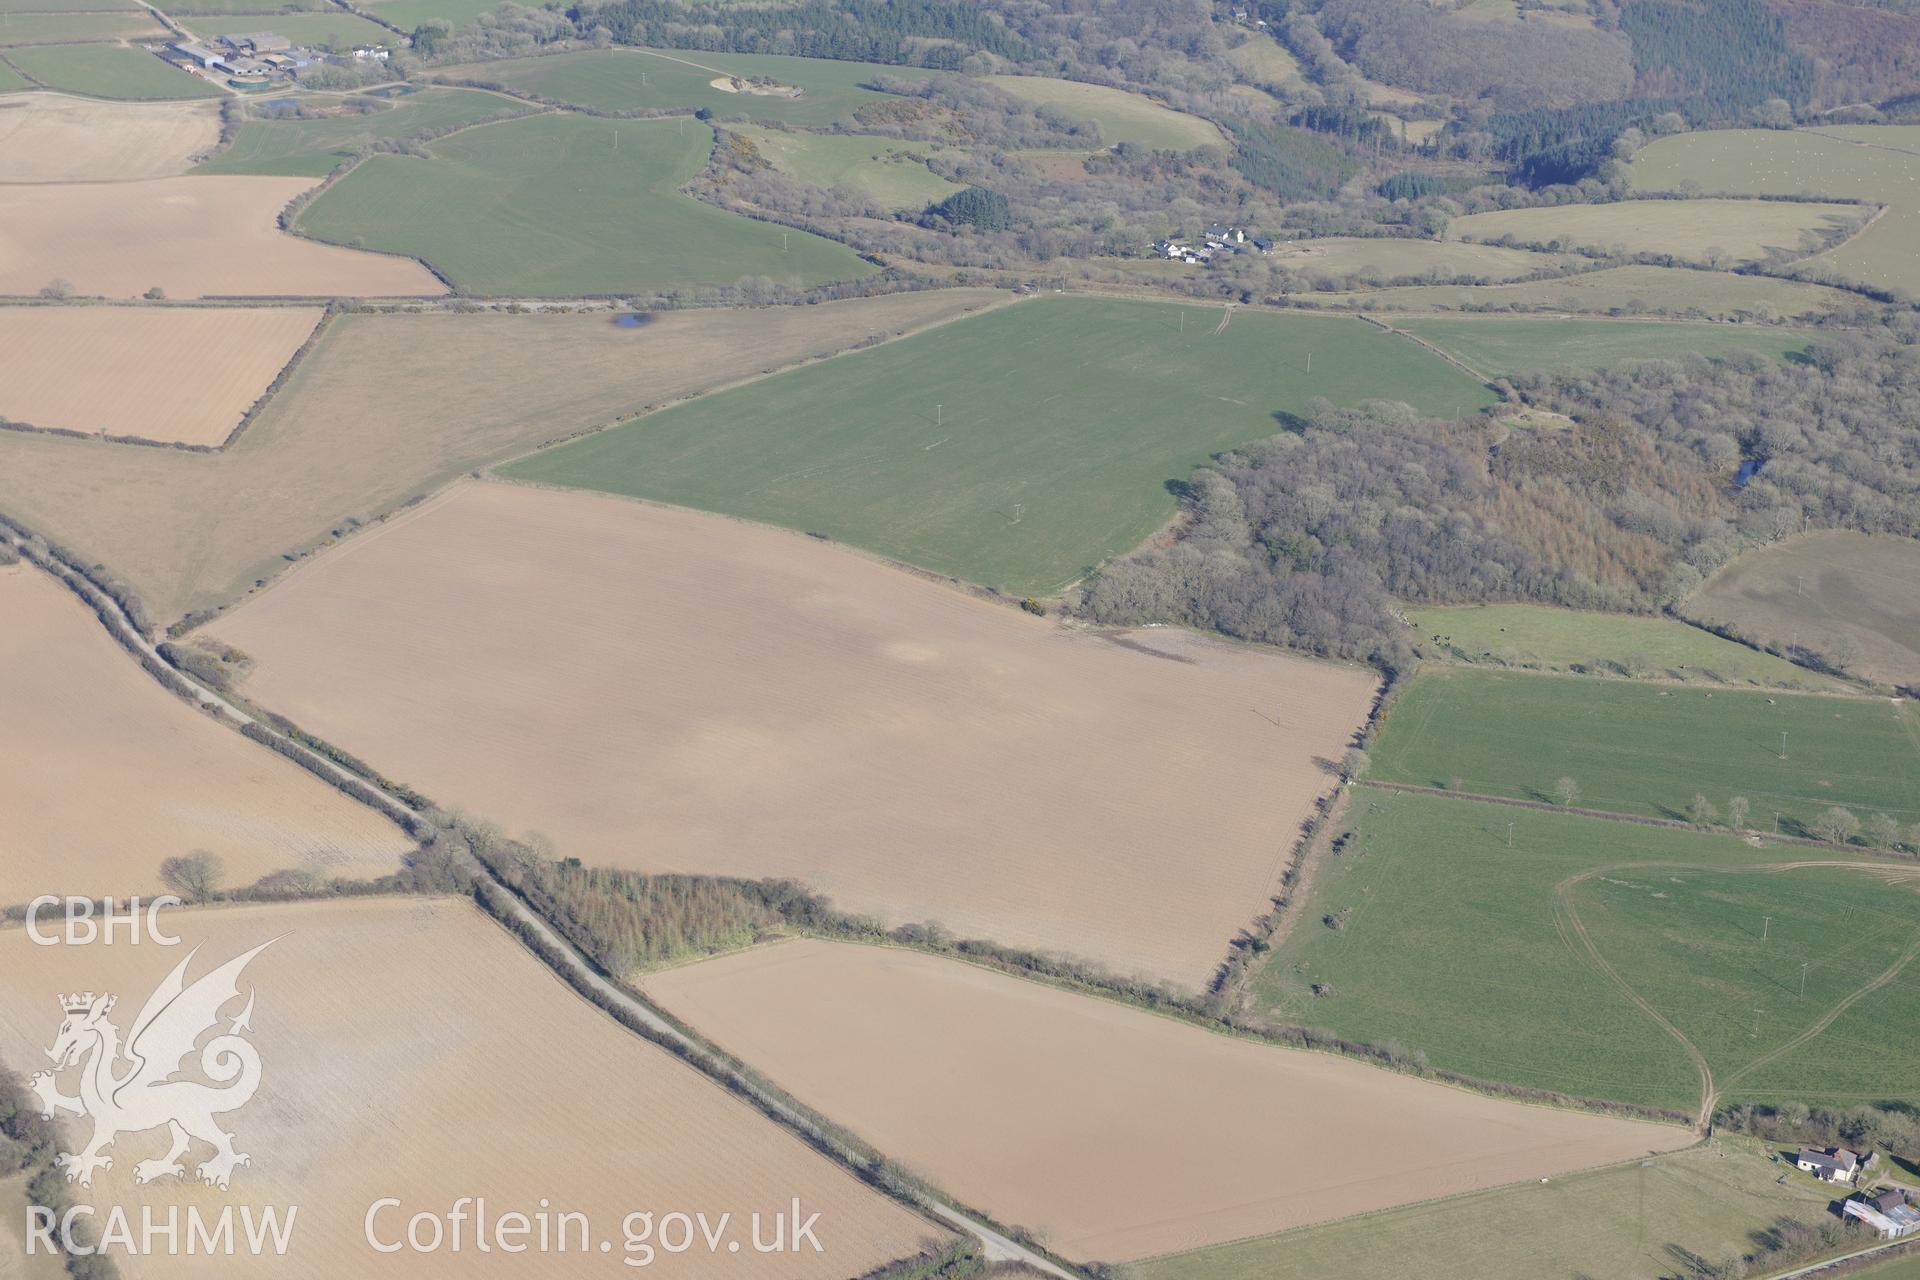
{"x":51,"y":137}
{"x":411,"y":1049}
{"x":104,"y":774}
{"x":673,"y":691}
{"x":179,"y":374}
{"x":1115,"y":1132}
{"x":191,"y":237}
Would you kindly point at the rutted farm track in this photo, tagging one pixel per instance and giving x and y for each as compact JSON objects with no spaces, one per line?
{"x":1574,"y":933}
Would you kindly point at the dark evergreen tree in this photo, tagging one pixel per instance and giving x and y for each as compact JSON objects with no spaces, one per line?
{"x":976,"y":206}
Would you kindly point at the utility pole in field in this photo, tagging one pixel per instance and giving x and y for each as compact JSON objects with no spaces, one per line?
{"x":1765,"y":924}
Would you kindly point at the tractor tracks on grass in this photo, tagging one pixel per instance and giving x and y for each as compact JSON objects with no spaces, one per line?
{"x":1828,"y":1018}
{"x":1573,"y":931}
{"x":1566,"y":918}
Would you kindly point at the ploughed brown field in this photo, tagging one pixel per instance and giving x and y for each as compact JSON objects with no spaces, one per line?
{"x":675,"y":691}
{"x":387,"y":407}
{"x":179,"y":374}
{"x":104,"y":774}
{"x":1114,"y":1132}
{"x":410,"y":1049}
{"x":192,"y":237}
{"x":50,"y":137}
{"x":1826,"y":592}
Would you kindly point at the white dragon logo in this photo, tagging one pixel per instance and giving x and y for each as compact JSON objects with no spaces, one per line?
{"x":144,"y":1095}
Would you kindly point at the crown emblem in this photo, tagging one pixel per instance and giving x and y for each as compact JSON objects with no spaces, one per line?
{"x":77,"y":1003}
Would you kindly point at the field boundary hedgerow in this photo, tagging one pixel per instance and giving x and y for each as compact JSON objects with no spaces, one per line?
{"x":1676,"y":824}
{"x":1419,"y":341}
{"x":21,"y":1127}
{"x":361,"y":781}
{"x":564,"y":959}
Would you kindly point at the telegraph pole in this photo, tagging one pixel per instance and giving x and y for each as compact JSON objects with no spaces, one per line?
{"x":1803,"y":976}
{"x":1766,"y":924}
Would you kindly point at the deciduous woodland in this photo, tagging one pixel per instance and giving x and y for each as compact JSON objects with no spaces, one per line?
{"x":1306,"y":539}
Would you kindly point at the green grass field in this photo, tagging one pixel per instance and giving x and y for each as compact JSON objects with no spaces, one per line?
{"x":1905,"y":1267}
{"x":1455,"y":943}
{"x":1529,"y":635}
{"x":108,"y":71}
{"x":1394,"y":258}
{"x":411,"y":14}
{"x":11,"y":81}
{"x":1501,"y":348}
{"x":1866,"y":162}
{"x":644,"y":79}
{"x":1265,"y":59}
{"x":335,"y":29}
{"x":1373,"y":261}
{"x":566,"y":204}
{"x":178,"y":9}
{"x":1618,"y":1223}
{"x":1640,"y":748}
{"x":67,"y":6}
{"x":314,"y":148}
{"x":891,"y":172}
{"x":1740,"y":230}
{"x":1015,"y":449}
{"x":1616,"y":290}
{"x":53,"y":28}
{"x":1823,"y":592}
{"x":1122,"y":116}
{"x":1719,"y":952}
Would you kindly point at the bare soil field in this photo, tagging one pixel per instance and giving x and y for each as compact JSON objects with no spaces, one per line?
{"x":673,"y":691}
{"x":180,"y":374}
{"x":104,"y":774}
{"x":194,"y":237}
{"x":1115,"y":1133}
{"x":385,"y":408}
{"x":409,"y":1048}
{"x":51,"y":137}
{"x":1826,"y":592}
